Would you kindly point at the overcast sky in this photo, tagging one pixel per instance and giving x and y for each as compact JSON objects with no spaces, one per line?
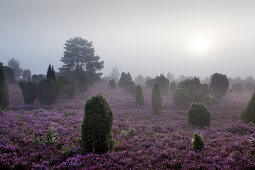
{"x":190,"y":37}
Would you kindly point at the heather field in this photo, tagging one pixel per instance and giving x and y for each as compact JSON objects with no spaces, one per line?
{"x":157,"y":142}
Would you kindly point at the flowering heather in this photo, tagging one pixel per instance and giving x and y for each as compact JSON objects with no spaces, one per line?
{"x":160,"y":141}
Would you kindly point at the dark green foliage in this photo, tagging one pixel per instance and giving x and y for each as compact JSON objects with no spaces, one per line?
{"x":172,"y":86}
{"x":197,"y":97}
{"x":51,"y":74}
{"x":27,"y":74}
{"x":47,"y":92}
{"x":131,"y":89}
{"x":67,"y":86}
{"x":37,"y":77}
{"x":79,"y":56}
{"x":4,"y":90}
{"x":156,"y":99}
{"x":9,"y":75}
{"x":197,"y":142}
{"x":219,"y":85}
{"x":112,"y":84}
{"x":205,"y":89}
{"x":50,"y":138}
{"x":190,"y":84}
{"x":97,"y":126}
{"x":139,"y":95}
{"x":163,"y":83}
{"x":237,"y":88}
{"x":125,"y":80}
{"x":199,"y":115}
{"x":248,"y":113}
{"x":150,"y":82}
{"x":83,"y":84}
{"x":29,"y":90}
{"x":181,"y":96}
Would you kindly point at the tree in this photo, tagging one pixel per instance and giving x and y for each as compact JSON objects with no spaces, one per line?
{"x":115,"y":74}
{"x":219,"y":85}
{"x":27,"y":74}
{"x":79,"y":56}
{"x":14,"y":64}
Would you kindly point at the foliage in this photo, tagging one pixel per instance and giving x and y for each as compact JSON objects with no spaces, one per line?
{"x":67,"y":85}
{"x":29,"y":90}
{"x":4,"y":90}
{"x":79,"y":56}
{"x":139,"y":79}
{"x":38,"y":77}
{"x":181,"y":96}
{"x":9,"y":75}
{"x":150,"y":82}
{"x":219,"y":85}
{"x":50,"y":137}
{"x":112,"y":84}
{"x":156,"y":99}
{"x":205,"y":89}
{"x":139,"y":95}
{"x":27,"y":74}
{"x":115,"y":74}
{"x":125,"y":80}
{"x":237,"y":87}
{"x":14,"y":64}
{"x":197,"y":142}
{"x":131,"y":88}
{"x":190,"y":84}
{"x":97,"y":126}
{"x":83,"y":84}
{"x":248,"y":113}
{"x":199,"y":115}
{"x":172,"y":87}
{"x":163,"y":83}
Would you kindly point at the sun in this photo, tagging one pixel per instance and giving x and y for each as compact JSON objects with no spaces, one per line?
{"x":200,"y":45}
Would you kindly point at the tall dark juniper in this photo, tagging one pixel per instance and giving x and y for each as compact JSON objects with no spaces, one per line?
{"x":97,"y":126}
{"x":4,"y":91}
{"x":48,"y":88}
{"x":139,"y":95}
{"x":156,"y":99}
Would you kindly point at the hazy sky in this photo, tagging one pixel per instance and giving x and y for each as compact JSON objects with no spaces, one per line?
{"x":191,"y":37}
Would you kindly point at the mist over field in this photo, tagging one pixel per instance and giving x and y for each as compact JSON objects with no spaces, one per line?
{"x":137,"y":84}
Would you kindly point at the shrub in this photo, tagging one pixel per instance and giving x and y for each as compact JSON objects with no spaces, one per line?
{"x":50,"y":138}
{"x":181,"y":96}
{"x":190,"y":84}
{"x":199,"y":115}
{"x":9,"y":75}
{"x":27,"y":74}
{"x":83,"y":84}
{"x":248,"y":113}
{"x":112,"y":84}
{"x":47,"y":92}
{"x":97,"y":126}
{"x":4,"y":90}
{"x":237,"y":88}
{"x":172,"y":86}
{"x":131,"y":132}
{"x":219,"y":85}
{"x":125,"y":79}
{"x":156,"y":99}
{"x":197,"y":97}
{"x":205,"y":89}
{"x":29,"y":90}
{"x":163,"y":83}
{"x":67,"y":85}
{"x":37,"y":78}
{"x":197,"y":142}
{"x":139,"y":95}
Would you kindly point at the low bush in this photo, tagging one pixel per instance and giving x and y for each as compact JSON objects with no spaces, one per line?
{"x":199,"y":115}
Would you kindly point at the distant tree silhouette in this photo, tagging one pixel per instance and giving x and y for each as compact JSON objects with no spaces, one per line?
{"x":115,"y":74}
{"x":27,"y":74}
{"x":14,"y":64}
{"x":79,"y":56}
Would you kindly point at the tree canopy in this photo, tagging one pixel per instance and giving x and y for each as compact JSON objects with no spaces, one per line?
{"x":79,"y":56}
{"x":14,"y":64}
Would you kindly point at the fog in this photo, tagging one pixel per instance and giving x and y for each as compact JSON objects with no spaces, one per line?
{"x":140,"y":36}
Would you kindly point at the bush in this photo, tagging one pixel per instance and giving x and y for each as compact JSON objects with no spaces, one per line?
{"x":163,"y":83}
{"x":67,"y":85}
{"x":238,"y":88}
{"x":112,"y":84}
{"x":27,"y":74}
{"x":219,"y":85}
{"x":156,"y":99}
{"x":139,"y":95}
{"x":150,"y":82}
{"x":83,"y":84}
{"x":197,"y":142}
{"x":47,"y":92}
{"x":248,"y":113}
{"x":131,"y":89}
{"x":9,"y":75}
{"x":197,"y":97}
{"x":181,"y":96}
{"x":4,"y":90}
{"x":125,"y":80}
{"x":205,"y":89}
{"x":190,"y":84}
{"x":97,"y":126}
{"x":50,"y":138}
{"x":172,"y":87}
{"x":37,"y":78}
{"x":29,"y":90}
{"x":199,"y":115}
